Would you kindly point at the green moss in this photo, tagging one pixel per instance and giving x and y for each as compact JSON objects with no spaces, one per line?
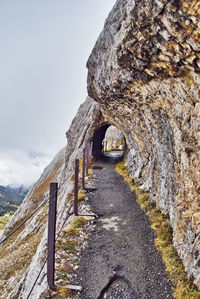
{"x":64,"y":293}
{"x":68,"y":244}
{"x":163,"y":241}
{"x":72,"y":231}
{"x":62,"y":275}
{"x":143,"y":201}
{"x":81,"y":196}
{"x":121,"y":167}
{"x":79,"y":222}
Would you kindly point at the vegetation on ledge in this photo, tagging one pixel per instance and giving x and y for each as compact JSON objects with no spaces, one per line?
{"x":67,"y":248}
{"x":183,"y":288}
{"x":4,"y":220}
{"x":10,"y":199}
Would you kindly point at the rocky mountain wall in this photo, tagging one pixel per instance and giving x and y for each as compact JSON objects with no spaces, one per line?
{"x":144,"y":71}
{"x":143,"y":78}
{"x":24,"y":253}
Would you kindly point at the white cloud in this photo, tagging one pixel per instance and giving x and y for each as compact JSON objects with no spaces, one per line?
{"x":44,"y":48}
{"x":20,"y":168}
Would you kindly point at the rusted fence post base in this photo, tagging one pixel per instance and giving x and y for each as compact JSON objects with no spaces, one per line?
{"x":51,"y":235}
{"x":52,"y":239}
{"x":88,"y":158}
{"x":83,"y":171}
{"x":76,"y":187}
{"x":91,"y":148}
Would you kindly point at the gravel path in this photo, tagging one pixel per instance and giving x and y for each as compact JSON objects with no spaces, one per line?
{"x":121,"y":260}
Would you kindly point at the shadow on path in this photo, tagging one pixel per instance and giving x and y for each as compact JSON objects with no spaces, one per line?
{"x":120,"y":260}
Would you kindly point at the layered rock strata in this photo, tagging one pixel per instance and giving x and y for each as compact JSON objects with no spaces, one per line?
{"x":143,"y":78}
{"x":144,"y":71}
{"x":24,"y":253}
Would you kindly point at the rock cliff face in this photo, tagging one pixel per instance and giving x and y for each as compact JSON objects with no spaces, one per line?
{"x":22,"y":255}
{"x":144,"y":71}
{"x":143,"y":78}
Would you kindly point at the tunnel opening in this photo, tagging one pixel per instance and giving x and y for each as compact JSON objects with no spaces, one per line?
{"x":108,"y":143}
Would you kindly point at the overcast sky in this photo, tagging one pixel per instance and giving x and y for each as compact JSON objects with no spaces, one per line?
{"x":44,"y":46}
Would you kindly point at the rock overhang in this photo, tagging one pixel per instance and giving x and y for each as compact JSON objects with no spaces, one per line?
{"x":143,"y":78}
{"x":144,"y":72}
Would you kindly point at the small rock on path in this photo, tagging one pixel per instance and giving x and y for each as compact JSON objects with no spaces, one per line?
{"x":120,"y":260}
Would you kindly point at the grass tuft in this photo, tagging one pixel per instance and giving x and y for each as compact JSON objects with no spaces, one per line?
{"x":81,"y":196}
{"x":79,"y":222}
{"x":71,"y":231}
{"x":64,"y":293}
{"x":67,"y":244}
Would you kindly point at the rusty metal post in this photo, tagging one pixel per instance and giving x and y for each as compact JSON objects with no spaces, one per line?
{"x":52,"y":234}
{"x":87,"y":157}
{"x":83,"y":170}
{"x":76,"y":187}
{"x":91,"y":147}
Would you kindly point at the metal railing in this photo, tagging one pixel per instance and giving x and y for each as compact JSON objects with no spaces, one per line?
{"x":52,"y":199}
{"x":87,"y":153}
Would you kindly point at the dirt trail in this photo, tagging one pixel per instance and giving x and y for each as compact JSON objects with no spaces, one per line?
{"x":121,"y":260}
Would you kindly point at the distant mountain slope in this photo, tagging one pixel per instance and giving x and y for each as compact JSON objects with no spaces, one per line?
{"x":10,"y":198}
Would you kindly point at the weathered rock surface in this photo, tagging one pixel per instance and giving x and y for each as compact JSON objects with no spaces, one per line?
{"x":143,"y":76}
{"x":22,"y":255}
{"x":144,"y":71}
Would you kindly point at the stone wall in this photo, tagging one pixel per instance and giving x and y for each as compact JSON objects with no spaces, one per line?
{"x":144,"y":72}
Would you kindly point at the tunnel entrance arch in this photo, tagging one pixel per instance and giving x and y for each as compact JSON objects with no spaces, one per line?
{"x":98,"y":138}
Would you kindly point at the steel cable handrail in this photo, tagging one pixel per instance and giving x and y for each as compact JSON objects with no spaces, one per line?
{"x":21,"y":224}
{"x":34,"y":284}
{"x":58,"y":235}
{"x":8,"y":236}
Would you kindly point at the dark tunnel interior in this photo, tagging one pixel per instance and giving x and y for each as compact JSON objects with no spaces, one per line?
{"x":97,"y":140}
{"x":98,"y":145}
